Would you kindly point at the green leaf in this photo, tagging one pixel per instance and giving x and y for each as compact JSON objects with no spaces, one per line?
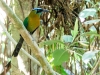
{"x":91,"y":33}
{"x":92,"y":38}
{"x":60,"y":56}
{"x":63,"y":72}
{"x":88,"y":55}
{"x":87,"y":12}
{"x":76,"y":25}
{"x":67,"y":38}
{"x":72,"y":32}
{"x":75,"y":31}
{"x":50,"y":42}
{"x":92,"y":21}
{"x":92,"y":28}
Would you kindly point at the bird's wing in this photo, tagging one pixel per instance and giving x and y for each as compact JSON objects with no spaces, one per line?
{"x":25,"y":22}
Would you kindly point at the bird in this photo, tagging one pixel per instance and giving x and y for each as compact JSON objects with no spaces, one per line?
{"x":31,"y":23}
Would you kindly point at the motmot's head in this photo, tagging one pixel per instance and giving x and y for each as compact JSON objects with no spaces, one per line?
{"x":39,"y":10}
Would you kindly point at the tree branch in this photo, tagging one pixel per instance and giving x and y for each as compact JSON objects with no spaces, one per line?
{"x":28,"y":39}
{"x":9,"y":36}
{"x":27,"y":54}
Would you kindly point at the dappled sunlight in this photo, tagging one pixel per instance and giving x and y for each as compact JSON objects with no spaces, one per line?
{"x":1,"y":30}
{"x":1,"y":68}
{"x":2,"y":19}
{"x":21,"y":65}
{"x":42,"y":50}
{"x":3,"y":57}
{"x":2,"y":15}
{"x":3,"y":37}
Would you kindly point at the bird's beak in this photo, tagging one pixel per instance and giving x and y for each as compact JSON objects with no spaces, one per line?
{"x":45,"y":10}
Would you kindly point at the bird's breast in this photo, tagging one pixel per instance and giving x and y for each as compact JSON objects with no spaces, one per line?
{"x":33,"y":23}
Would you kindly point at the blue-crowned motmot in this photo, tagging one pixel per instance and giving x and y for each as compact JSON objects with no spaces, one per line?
{"x":31,"y":23}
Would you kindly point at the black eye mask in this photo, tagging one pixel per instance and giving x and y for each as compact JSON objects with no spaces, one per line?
{"x":39,"y":10}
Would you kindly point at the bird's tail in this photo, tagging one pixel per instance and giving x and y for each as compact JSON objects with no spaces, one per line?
{"x":18,"y":47}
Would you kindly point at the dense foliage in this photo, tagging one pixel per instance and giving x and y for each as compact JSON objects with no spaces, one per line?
{"x":69,"y":35}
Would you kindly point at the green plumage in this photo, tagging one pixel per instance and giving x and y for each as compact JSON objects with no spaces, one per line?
{"x":25,"y":22}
